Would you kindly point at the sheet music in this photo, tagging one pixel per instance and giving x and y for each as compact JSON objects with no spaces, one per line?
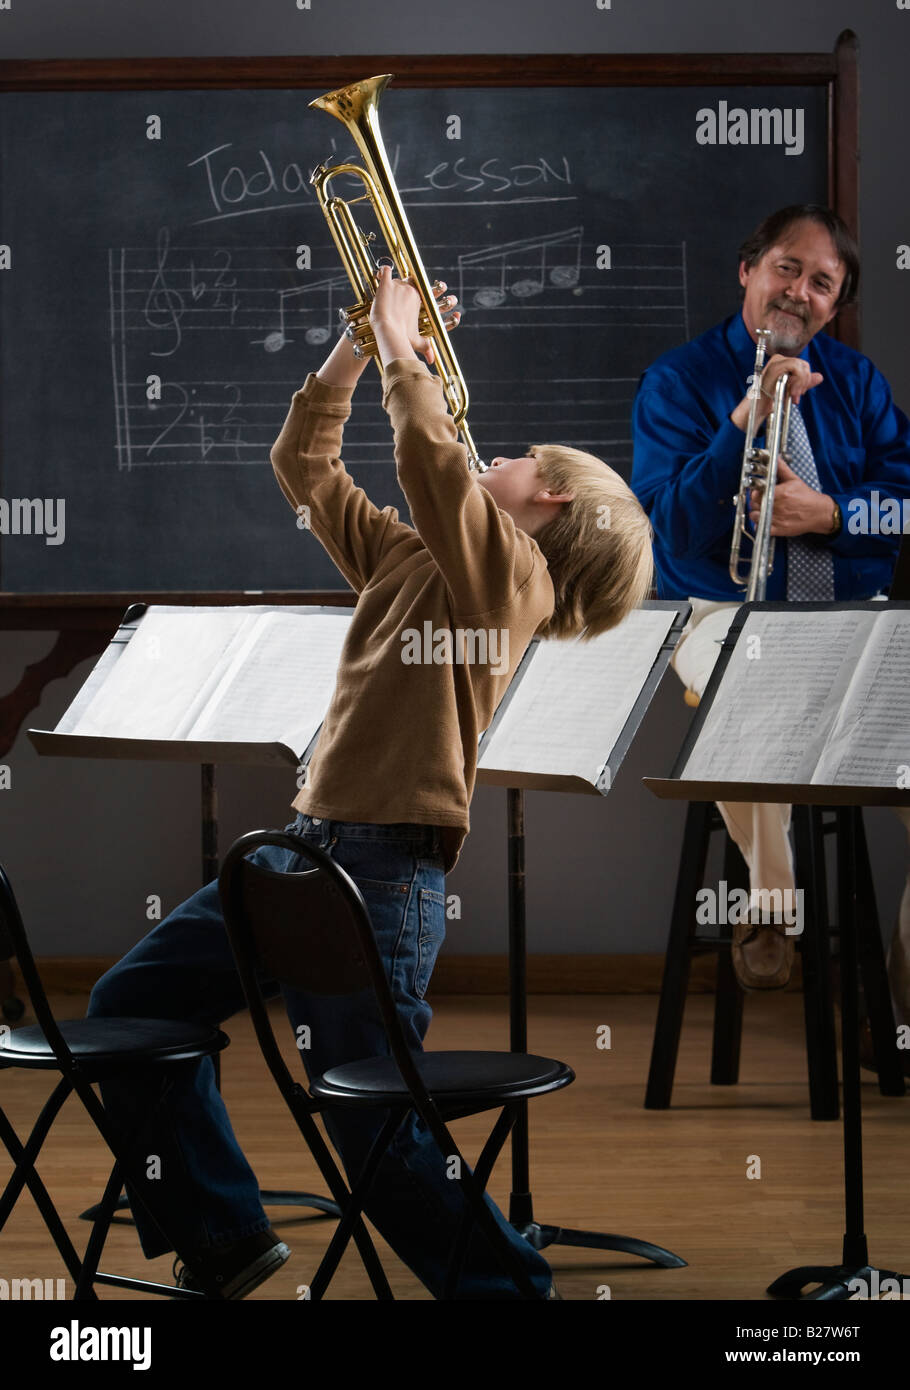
{"x":574,"y":699}
{"x":778,"y":698}
{"x":279,"y":684}
{"x":870,"y":740}
{"x":247,"y":675}
{"x":166,"y":670}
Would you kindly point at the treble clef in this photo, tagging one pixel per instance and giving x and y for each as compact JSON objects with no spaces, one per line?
{"x":164,"y":307}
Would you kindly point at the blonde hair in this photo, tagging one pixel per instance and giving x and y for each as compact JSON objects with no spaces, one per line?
{"x":597,"y":547}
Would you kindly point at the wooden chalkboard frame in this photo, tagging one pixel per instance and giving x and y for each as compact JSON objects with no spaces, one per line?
{"x":836,"y":71}
{"x":90,"y":615}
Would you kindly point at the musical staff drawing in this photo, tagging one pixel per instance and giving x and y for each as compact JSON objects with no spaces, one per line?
{"x":174,"y":308}
{"x":208,"y":322}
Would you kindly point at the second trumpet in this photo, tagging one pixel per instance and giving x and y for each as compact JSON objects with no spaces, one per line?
{"x":759,"y":470}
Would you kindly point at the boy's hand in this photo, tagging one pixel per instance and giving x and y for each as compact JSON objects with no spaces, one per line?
{"x":341,"y":367}
{"x":394,"y":318}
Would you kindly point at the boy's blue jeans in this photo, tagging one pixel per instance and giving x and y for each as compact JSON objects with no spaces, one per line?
{"x":207,"y":1194}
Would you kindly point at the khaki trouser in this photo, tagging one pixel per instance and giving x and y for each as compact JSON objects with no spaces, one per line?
{"x":761,"y":831}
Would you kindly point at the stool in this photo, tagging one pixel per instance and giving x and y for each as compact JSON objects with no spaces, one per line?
{"x":810,"y":827}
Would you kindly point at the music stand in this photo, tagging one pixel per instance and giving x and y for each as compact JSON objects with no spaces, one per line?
{"x":521,"y":1205}
{"x":834,"y":1281}
{"x":900,"y":580}
{"x":52,"y":743}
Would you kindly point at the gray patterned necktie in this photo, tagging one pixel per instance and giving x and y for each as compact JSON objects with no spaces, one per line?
{"x":810,"y":568}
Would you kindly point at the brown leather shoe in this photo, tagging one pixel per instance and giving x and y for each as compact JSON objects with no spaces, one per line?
{"x":762,"y":955}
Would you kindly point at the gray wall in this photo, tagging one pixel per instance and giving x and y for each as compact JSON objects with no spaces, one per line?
{"x":86,"y":843}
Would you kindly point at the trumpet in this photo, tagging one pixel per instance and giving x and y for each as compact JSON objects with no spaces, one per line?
{"x":356,"y":106}
{"x":759,"y":469}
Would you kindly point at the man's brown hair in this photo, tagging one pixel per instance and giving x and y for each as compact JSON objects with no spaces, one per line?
{"x":770,"y":232}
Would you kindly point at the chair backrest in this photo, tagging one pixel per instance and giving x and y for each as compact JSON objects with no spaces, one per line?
{"x":14,"y":945}
{"x":307,"y":928}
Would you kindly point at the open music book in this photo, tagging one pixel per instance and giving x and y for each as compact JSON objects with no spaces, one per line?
{"x":569,"y":701}
{"x":253,"y":685}
{"x":817,"y":697}
{"x":215,"y":675}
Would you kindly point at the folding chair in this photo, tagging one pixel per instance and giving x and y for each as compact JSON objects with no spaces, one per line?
{"x":85,"y":1051}
{"x":311,"y":930}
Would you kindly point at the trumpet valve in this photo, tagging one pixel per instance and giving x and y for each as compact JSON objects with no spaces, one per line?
{"x":356,"y":328}
{"x":356,"y":315}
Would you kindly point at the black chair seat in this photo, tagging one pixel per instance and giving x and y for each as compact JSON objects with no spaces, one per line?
{"x":84,"y":1052}
{"x":105,"y":1042}
{"x":478,"y":1079}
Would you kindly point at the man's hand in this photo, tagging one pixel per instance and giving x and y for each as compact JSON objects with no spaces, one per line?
{"x":394,"y":316}
{"x":802,"y":379}
{"x":798,"y":508}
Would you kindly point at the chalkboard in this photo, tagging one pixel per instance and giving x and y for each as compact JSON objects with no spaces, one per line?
{"x":585,"y":230}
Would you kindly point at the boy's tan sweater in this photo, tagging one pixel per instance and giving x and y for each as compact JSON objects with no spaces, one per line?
{"x":399,"y":741}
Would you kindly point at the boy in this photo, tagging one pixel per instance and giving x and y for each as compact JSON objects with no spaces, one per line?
{"x":388,"y":789}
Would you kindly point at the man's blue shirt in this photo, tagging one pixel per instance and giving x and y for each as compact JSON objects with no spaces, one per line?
{"x":688,"y":460}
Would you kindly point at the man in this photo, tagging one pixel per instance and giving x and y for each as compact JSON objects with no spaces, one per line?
{"x":848,"y":442}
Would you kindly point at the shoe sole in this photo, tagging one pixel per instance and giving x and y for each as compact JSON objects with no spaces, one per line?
{"x":257,"y":1273}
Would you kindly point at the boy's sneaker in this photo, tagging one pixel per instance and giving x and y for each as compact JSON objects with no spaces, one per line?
{"x":235,"y":1270}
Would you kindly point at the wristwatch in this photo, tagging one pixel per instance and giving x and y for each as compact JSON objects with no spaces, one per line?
{"x":837,"y":523}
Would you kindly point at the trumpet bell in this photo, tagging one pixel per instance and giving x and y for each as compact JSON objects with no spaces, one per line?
{"x":348,"y":104}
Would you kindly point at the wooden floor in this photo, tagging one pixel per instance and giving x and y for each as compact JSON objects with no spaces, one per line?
{"x":599,"y":1160}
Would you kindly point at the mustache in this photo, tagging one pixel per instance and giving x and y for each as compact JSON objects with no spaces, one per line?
{"x":786,"y":308}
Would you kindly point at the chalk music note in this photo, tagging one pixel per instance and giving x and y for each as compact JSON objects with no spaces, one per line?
{"x":319,"y":333}
{"x":532,"y":254}
{"x":164,"y":306}
{"x":315,"y":334}
{"x":276,"y":340}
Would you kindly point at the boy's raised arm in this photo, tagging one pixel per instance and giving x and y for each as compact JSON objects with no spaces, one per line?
{"x":306,"y":461}
{"x":483,"y":556}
